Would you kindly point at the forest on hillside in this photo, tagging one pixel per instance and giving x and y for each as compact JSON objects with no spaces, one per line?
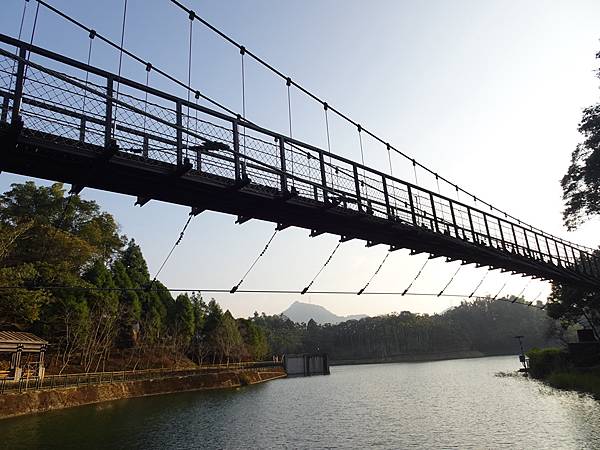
{"x":483,"y":325}
{"x":69,"y":276}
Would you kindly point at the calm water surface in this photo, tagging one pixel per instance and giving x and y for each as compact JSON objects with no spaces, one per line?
{"x":446,"y":404}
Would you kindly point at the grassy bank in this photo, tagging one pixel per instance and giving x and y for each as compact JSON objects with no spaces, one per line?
{"x":555,"y":367}
{"x":588,"y":382}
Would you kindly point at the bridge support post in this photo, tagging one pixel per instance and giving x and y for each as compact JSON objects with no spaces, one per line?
{"x":109,"y":111}
{"x":433,"y":211}
{"x":283,"y":176}
{"x":472,"y":227}
{"x":236,"y":151}
{"x":386,"y":197}
{"x":4,"y":113}
{"x":323,"y":177}
{"x":179,"y":133}
{"x":357,"y":188}
{"x":412,"y":205}
{"x":16,"y":114}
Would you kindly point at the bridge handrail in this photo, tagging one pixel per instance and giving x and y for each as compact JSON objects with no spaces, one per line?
{"x":414,"y":193}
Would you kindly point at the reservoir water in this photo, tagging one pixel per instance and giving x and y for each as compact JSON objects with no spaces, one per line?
{"x":445,"y":404}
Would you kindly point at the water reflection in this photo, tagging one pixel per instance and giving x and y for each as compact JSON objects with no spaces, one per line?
{"x":445,"y":404}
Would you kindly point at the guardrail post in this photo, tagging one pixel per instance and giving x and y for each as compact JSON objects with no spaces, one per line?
{"x":575,"y":262}
{"x":179,"y":130}
{"x":487,"y":229}
{"x":435,"y":220}
{"x":453,"y":218}
{"x":82,"y":130}
{"x":283,"y":177}
{"x":527,"y":242}
{"x":514,"y":233}
{"x":471,"y":225}
{"x":236,"y":151}
{"x":386,"y":196}
{"x":357,"y":187}
{"x":323,"y":176}
{"x":109,"y":112}
{"x":4,"y":113}
{"x":501,"y":234}
{"x":557,"y":253}
{"x":549,"y":251}
{"x":16,"y":114}
{"x":145,"y":146}
{"x":412,"y":205}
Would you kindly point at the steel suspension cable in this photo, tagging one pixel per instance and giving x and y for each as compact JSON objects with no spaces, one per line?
{"x":242,"y":53}
{"x":393,"y":185}
{"x":328,"y":143}
{"x":416,"y":276}
{"x":189,"y":82}
{"x":305,"y":290}
{"x":234,"y":289}
{"x":501,"y":289}
{"x":479,"y":284}
{"x":362,"y":159}
{"x":524,"y":287}
{"x":25,"y":2}
{"x":289,"y":99}
{"x":374,"y":274}
{"x":35,"y":19}
{"x":114,"y":122}
{"x":87,"y":72}
{"x":148,"y":69}
{"x":450,"y":281}
{"x":241,"y":291}
{"x":177,"y":242}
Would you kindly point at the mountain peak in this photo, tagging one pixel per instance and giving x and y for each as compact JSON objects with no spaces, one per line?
{"x":302,"y":312}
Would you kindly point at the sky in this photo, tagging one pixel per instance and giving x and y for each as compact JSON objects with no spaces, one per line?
{"x":488,"y":94}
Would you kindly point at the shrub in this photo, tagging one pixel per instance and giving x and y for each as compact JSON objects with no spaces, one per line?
{"x":543,"y":362}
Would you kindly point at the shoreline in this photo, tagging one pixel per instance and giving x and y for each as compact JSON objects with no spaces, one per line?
{"x":416,"y":358}
{"x":15,"y":404}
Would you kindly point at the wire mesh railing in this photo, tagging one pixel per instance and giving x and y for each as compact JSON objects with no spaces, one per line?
{"x":157,"y":128}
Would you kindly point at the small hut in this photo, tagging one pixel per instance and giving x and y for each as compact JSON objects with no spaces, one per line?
{"x":26,"y":354}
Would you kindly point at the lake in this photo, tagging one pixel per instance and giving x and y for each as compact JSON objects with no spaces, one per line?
{"x":442,"y":404}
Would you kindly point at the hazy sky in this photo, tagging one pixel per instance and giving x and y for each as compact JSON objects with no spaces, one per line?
{"x":489,"y":94}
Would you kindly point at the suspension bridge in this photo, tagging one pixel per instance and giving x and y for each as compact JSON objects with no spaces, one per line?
{"x":67,"y":120}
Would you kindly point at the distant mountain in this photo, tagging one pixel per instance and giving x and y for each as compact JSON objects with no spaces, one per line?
{"x":302,"y":312}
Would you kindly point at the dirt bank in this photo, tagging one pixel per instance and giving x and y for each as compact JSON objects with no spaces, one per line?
{"x":15,"y":404}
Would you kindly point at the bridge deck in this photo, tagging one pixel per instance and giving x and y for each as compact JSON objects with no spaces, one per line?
{"x":111,"y":133}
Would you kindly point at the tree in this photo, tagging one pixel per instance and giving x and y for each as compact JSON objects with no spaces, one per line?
{"x":226,"y":338}
{"x":103,"y":307}
{"x":200,"y":344}
{"x":570,"y":304}
{"x":254,"y":338}
{"x":581,"y":183}
{"x":182,"y":324}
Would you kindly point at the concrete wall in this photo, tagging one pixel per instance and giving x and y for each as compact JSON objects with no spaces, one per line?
{"x":306,"y":365}
{"x":15,"y":404}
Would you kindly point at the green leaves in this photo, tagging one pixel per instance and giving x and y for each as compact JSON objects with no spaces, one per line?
{"x":581,"y":183}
